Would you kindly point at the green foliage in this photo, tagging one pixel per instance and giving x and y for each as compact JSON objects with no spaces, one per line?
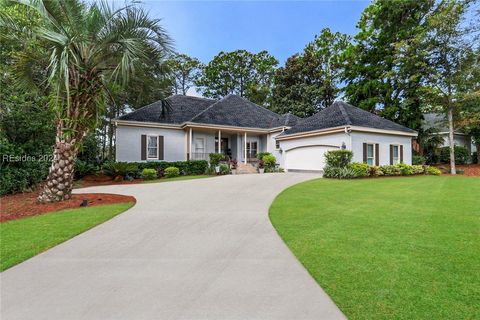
{"x":83,"y":168}
{"x":461,"y":155}
{"x":339,"y":173}
{"x":149,"y":174}
{"x":269,"y":161}
{"x":224,"y":169}
{"x":391,"y":170}
{"x":215,"y":158}
{"x":387,"y":62}
{"x":338,"y":158}
{"x":186,"y":71}
{"x":260,"y":155}
{"x":432,"y":171}
{"x":361,"y":169}
{"x":417,"y":159}
{"x":172,"y":172}
{"x":192,"y":167}
{"x":310,"y":81}
{"x":120,"y":169}
{"x":239,"y":72}
{"x":90,"y":150}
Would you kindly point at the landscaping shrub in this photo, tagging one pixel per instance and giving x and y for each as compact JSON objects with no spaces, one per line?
{"x":120,"y":169}
{"x":339,"y":173}
{"x":338,"y":158}
{"x":260,"y":155}
{"x":185,"y":167}
{"x":432,"y":171}
{"x":172,"y":172}
{"x":417,"y":159}
{"x":269,"y":161}
{"x":405,"y":169}
{"x":149,"y":174}
{"x":224,"y":169}
{"x":215,"y":159}
{"x":83,"y":168}
{"x":391,"y":170}
{"x":461,"y":155}
{"x":361,"y":169}
{"x":418,"y":169}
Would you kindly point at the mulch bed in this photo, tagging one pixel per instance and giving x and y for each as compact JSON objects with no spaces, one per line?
{"x":471,"y":170}
{"x":101,"y":180}
{"x":22,"y":205}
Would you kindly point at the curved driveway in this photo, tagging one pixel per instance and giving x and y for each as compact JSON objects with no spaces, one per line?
{"x":197,"y":249}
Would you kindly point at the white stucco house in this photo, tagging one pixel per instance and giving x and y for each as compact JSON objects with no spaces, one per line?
{"x":191,"y":128}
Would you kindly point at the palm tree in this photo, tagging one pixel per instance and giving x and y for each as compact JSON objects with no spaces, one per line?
{"x":85,"y":47}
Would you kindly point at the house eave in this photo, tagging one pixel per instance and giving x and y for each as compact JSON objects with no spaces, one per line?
{"x":130,"y":123}
{"x":312,"y":133}
{"x":384,"y":131}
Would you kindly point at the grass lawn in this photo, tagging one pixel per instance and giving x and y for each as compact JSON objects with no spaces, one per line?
{"x":24,"y":238}
{"x":390,"y":248}
{"x":191,"y":177}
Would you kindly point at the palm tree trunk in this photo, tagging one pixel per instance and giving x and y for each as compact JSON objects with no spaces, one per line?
{"x":451,"y":140}
{"x":59,"y":183}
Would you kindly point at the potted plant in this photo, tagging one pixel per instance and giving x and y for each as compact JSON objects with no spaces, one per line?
{"x":261,"y":166}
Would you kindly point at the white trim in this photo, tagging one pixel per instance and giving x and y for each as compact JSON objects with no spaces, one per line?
{"x":147,"y":124}
{"x":393,"y":154}
{"x":148,"y":156}
{"x":311,"y":133}
{"x":390,"y":132}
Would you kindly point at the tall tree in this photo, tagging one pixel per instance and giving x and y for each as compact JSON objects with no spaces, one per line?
{"x":385,"y":66}
{"x":449,"y":60}
{"x":239,"y":72}
{"x":310,"y":81}
{"x":85,"y":48}
{"x":185,"y":70}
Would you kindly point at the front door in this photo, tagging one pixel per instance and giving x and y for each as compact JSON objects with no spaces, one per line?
{"x":252,"y":148}
{"x":223,"y":145}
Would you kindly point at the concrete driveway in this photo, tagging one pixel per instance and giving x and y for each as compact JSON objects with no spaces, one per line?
{"x":199,"y":249}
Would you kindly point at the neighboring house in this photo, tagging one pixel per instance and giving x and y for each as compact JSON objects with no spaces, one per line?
{"x":193,"y":127}
{"x":439,"y":122}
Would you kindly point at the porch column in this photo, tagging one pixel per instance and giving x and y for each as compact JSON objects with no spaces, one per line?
{"x":245,"y":148}
{"x":219,"y":141}
{"x":190,"y":140}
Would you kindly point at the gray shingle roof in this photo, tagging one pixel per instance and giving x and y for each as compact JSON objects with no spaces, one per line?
{"x":342,"y":114}
{"x":238,"y":112}
{"x":182,"y":108}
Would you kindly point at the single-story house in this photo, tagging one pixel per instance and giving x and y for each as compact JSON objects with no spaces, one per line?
{"x":439,"y":122}
{"x":191,"y":128}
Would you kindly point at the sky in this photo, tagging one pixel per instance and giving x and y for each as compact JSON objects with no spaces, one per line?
{"x":203,"y":29}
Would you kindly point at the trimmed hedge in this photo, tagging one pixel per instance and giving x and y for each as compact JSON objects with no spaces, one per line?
{"x":338,"y":158}
{"x":171,"y":172}
{"x":192,"y":167}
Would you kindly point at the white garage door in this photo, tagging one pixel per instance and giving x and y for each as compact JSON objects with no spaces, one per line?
{"x":309,"y":158}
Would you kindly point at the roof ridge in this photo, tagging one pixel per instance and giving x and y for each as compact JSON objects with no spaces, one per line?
{"x":208,"y":108}
{"x":344,"y":112}
{"x":262,"y":107}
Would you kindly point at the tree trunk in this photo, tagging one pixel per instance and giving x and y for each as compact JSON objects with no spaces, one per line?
{"x":451,"y":140}
{"x":59,"y":183}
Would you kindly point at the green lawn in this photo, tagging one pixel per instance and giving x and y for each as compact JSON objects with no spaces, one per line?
{"x":389,"y":248}
{"x":24,"y":238}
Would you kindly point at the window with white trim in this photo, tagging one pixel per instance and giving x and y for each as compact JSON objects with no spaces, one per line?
{"x":395,"y":154}
{"x":152,"y":147}
{"x":277,"y":145}
{"x":370,"y":154}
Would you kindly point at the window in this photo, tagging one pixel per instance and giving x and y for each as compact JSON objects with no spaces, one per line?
{"x":152,"y":147}
{"x":199,"y":145}
{"x":370,"y":154}
{"x":395,"y":154}
{"x":277,"y":144}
